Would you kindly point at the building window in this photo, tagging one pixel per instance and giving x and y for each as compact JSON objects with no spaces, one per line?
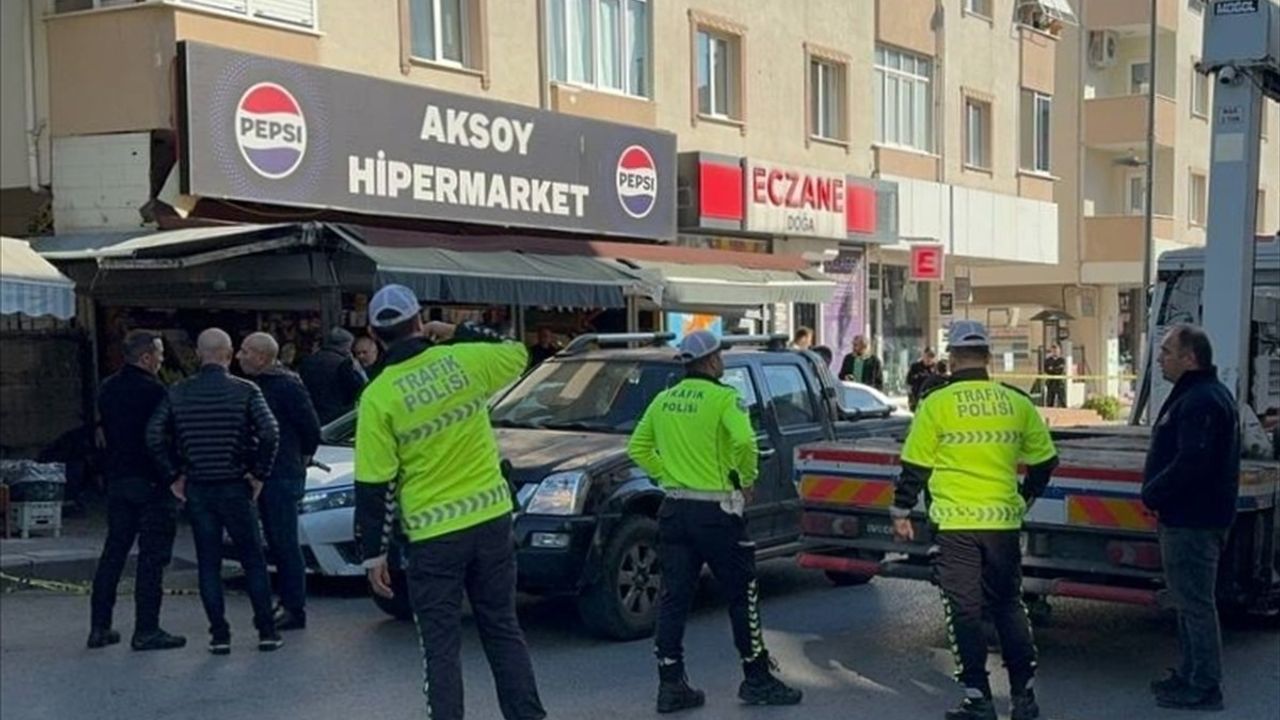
{"x":903,"y":96}
{"x":1037,"y":115}
{"x":1199,"y":92}
{"x":602,"y":44}
{"x":439,"y":30}
{"x":978,"y":7}
{"x":1197,"y":198}
{"x":827,"y":100}
{"x":1136,"y":194}
{"x":977,"y":133}
{"x":300,"y":13}
{"x":719,"y":72}
{"x":1139,"y":78}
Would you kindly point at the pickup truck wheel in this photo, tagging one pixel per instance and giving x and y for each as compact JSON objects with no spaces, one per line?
{"x":623,"y":603}
{"x":397,"y":607}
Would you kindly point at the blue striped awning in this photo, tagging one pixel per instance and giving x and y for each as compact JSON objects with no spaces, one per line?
{"x":31,"y":286}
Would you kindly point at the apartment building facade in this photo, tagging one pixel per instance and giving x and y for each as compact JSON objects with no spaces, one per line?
{"x":761,"y":96}
{"x":1104,"y":75}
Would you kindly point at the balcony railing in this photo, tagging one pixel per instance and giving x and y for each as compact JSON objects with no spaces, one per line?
{"x":1121,"y":122}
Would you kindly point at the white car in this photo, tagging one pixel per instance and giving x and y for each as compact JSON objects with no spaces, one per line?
{"x":326,"y":513}
{"x":869,"y":401}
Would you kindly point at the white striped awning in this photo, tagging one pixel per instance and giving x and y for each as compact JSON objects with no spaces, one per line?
{"x":30,"y":285}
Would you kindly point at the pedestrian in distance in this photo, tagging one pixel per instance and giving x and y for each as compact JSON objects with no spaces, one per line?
{"x":803,"y":339}
{"x":966,"y":443}
{"x":544,"y":349}
{"x":921,"y":371}
{"x":1055,"y":366}
{"x":139,"y":505}
{"x":331,"y":376}
{"x":278,"y":503}
{"x":369,"y":355}
{"x":861,"y":366}
{"x":696,"y":441}
{"x":1191,"y":481}
{"x":426,"y":457}
{"x":214,"y":440}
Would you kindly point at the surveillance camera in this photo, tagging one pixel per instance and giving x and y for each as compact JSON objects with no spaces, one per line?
{"x":1227,"y":75}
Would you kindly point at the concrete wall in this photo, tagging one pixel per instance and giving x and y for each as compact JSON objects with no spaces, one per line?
{"x":20,"y":207}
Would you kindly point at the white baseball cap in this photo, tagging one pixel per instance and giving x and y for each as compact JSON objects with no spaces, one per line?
{"x":698,"y":344}
{"x":967,"y":333}
{"x":392,"y":305}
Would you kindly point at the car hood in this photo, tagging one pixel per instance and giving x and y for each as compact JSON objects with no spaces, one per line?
{"x":533,"y":454}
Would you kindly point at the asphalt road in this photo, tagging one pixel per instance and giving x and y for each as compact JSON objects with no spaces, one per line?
{"x":877,"y":653}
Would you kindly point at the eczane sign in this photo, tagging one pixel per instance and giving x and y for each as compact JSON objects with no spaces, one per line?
{"x":785,"y":200}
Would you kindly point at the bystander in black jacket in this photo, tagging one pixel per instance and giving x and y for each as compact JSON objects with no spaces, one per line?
{"x":299,"y":426}
{"x":333,"y":381}
{"x":126,"y":402}
{"x":213,"y":429}
{"x":1192,"y":474}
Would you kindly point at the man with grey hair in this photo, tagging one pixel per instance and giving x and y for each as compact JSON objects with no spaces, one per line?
{"x":278,"y":503}
{"x":214,"y":440}
{"x":331,"y":376}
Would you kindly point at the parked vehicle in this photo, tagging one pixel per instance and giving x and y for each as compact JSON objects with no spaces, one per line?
{"x":585,"y":524}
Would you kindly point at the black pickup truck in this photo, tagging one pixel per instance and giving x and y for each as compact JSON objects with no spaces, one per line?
{"x":585,"y":523}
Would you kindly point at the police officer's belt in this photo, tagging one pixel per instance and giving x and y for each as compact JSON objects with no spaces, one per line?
{"x":706,"y":495}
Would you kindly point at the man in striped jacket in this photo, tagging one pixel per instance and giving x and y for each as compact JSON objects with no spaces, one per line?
{"x":215,"y":440}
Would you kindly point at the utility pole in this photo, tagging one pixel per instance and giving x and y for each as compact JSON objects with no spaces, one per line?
{"x":1149,"y":243}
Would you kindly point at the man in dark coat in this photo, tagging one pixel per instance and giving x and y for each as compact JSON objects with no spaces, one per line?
{"x":1191,"y":481}
{"x":861,"y":366}
{"x":331,"y":376}
{"x":278,"y":502}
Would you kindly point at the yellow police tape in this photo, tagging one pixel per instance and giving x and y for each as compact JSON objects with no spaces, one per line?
{"x":73,"y":588}
{"x":1019,"y":376}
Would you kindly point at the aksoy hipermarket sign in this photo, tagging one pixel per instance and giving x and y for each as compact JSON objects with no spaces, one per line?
{"x":793,"y":201}
{"x":258,"y":129}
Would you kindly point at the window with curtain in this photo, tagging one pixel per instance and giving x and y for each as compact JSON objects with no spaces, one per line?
{"x":1197,"y":198}
{"x":601,"y":44}
{"x":827,"y":99}
{"x":1199,"y":93}
{"x":717,"y":74}
{"x":977,"y":133}
{"x":903,"y":99}
{"x":438,"y":30}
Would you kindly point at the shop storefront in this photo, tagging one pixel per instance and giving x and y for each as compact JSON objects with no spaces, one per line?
{"x":825,"y":219}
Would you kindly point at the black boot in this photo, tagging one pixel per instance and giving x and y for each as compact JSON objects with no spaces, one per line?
{"x":1024,"y":706}
{"x":157,"y":640}
{"x":760,"y":687}
{"x":974,"y":707}
{"x":289,"y":620}
{"x":102,"y":637}
{"x":674,"y":693}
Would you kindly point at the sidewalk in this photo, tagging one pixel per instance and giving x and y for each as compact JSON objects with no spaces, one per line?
{"x":74,"y":556}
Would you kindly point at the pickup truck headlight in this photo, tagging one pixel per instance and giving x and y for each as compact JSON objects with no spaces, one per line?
{"x":560,"y":494}
{"x":332,"y":499}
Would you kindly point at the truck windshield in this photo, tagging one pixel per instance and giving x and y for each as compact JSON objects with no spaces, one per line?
{"x":591,"y":395}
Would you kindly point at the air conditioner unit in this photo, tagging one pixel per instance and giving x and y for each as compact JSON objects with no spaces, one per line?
{"x":1102,"y":48}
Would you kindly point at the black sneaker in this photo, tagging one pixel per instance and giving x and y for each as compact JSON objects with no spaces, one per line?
{"x":270,"y":641}
{"x":678,"y":695}
{"x":289,"y":620}
{"x":220,"y":644}
{"x":1172,"y":681}
{"x":1025,"y":707}
{"x":973,"y":709}
{"x":1189,"y":698}
{"x":102,"y":637}
{"x":157,"y":640}
{"x":761,"y":687}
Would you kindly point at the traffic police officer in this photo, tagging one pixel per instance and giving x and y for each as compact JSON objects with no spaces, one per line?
{"x":425,"y":452}
{"x":696,"y":441}
{"x":966,"y":442}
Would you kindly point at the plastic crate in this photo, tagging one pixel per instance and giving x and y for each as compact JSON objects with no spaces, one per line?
{"x":27,"y":516}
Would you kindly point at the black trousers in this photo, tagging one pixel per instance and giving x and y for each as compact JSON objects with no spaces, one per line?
{"x":137,"y":510}
{"x":1055,"y":393}
{"x":481,"y":560}
{"x":278,"y":506}
{"x":981,"y":570}
{"x":692,"y":533}
{"x":213,"y":509}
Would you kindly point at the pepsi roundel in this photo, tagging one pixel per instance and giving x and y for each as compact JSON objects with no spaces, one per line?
{"x":270,"y":130}
{"x":637,"y":181}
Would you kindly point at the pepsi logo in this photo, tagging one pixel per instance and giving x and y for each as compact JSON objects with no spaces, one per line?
{"x":637,"y":179}
{"x":270,"y":130}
